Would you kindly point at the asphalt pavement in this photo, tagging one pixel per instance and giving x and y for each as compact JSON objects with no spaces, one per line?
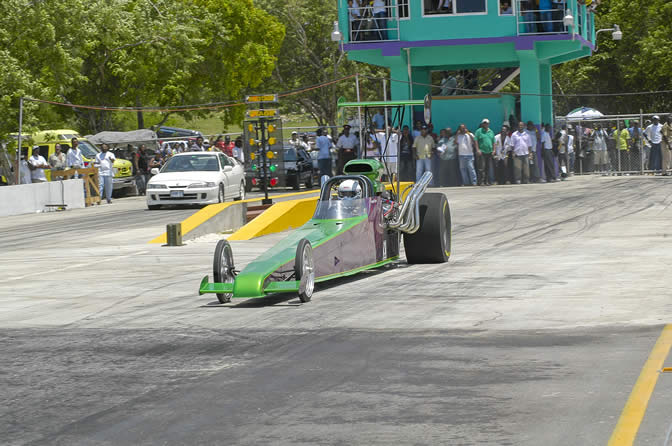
{"x":533,"y":334}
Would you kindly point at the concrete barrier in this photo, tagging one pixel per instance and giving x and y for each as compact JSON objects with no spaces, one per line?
{"x":30,"y":198}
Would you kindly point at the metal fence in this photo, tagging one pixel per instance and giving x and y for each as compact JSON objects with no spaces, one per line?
{"x":628,"y":149}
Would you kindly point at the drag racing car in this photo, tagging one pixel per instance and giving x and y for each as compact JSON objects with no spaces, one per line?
{"x":357,"y":225}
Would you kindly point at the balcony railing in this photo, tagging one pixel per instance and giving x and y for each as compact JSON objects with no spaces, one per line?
{"x":373,"y":23}
{"x":551,"y":21}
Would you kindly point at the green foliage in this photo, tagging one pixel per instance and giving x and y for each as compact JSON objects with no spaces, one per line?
{"x":130,"y":53}
{"x":309,"y":57}
{"x":639,"y":62}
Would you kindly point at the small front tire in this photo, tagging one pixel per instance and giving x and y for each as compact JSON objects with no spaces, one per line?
{"x":304,"y":269}
{"x":223,"y":268}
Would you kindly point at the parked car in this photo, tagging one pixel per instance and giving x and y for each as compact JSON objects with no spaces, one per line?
{"x":291,"y":168}
{"x":196,"y":178}
{"x":298,"y":168}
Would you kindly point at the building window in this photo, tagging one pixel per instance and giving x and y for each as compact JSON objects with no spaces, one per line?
{"x":403,"y":9}
{"x":443,"y":7}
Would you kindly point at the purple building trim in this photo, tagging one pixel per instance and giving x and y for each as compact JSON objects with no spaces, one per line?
{"x":521,"y":43}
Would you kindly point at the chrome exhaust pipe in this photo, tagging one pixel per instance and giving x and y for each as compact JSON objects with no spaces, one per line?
{"x":408,"y":220}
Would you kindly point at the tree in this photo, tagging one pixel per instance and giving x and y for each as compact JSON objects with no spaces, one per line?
{"x":309,"y":57}
{"x":130,"y":53}
{"x":636,"y":63}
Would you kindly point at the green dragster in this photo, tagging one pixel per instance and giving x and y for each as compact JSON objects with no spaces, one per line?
{"x":357,"y":226}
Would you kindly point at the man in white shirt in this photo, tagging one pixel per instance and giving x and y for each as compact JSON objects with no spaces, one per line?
{"x":600,"y":154}
{"x":466,"y":145}
{"x":531,"y":130}
{"x":105,"y":164}
{"x":346,"y":148}
{"x":37,"y":164}
{"x":654,"y":135}
{"x":570,"y":153}
{"x":521,"y":145}
{"x":389,"y":149}
{"x":379,"y":13}
{"x":547,"y":154}
{"x":502,"y":148}
{"x":74,"y":158}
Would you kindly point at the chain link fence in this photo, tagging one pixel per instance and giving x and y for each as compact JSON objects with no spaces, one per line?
{"x":628,"y":151}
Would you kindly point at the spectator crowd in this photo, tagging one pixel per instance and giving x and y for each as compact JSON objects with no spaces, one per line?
{"x":520,"y":153}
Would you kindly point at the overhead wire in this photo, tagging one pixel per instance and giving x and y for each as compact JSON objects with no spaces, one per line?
{"x":513,"y":93}
{"x":183,"y":108}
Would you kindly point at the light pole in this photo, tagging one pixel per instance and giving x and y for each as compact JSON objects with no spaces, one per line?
{"x":616,"y":34}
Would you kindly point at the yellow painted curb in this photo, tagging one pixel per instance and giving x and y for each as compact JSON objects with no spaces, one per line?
{"x":210,"y":211}
{"x":280,"y":217}
{"x":633,"y":413}
{"x":286,"y":215}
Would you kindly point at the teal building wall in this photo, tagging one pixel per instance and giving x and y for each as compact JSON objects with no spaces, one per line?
{"x":484,"y":40}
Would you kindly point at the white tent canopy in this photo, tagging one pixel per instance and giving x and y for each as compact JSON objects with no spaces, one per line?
{"x":135,"y":136}
{"x":583,"y":113}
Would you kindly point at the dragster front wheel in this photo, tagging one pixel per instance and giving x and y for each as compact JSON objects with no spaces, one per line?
{"x":222,"y":268}
{"x":304,"y":268}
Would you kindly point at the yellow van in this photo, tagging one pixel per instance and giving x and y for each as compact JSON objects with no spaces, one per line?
{"x":46,"y":140}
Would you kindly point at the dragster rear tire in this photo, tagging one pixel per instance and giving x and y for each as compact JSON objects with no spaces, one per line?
{"x":304,"y":269}
{"x":431,"y":243}
{"x":222,"y":268}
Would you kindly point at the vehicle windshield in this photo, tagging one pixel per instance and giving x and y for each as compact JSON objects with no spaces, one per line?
{"x":290,"y":155}
{"x":337,"y":209}
{"x":192,"y":163}
{"x":89,"y":151}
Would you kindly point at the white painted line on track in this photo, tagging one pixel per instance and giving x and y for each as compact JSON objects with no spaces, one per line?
{"x":77,"y":265}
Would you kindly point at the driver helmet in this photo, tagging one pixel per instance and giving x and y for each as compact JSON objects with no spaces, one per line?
{"x":349,"y":189}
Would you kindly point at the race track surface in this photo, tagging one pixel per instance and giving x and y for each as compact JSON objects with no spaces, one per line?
{"x":533,"y":334}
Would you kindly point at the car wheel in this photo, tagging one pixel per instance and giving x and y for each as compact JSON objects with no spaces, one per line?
{"x":304,"y":269}
{"x":153,"y":207}
{"x":309,"y":181}
{"x":223,"y":268}
{"x":431,"y":243}
{"x":296,"y":183}
{"x":248,"y":186}
{"x":241,"y":192}
{"x":220,"y":196}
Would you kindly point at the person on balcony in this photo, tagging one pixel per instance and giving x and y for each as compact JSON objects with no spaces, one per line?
{"x":546,"y":16}
{"x":505,"y":8}
{"x":380,"y":14}
{"x":355,"y":17}
{"x":448,"y":85}
{"x":529,"y":18}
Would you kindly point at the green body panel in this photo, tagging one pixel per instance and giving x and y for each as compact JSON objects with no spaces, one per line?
{"x":250,"y":281}
{"x":370,"y":168}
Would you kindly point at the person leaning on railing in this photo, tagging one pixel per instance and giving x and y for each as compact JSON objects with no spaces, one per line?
{"x":355,"y":17}
{"x":380,"y":14}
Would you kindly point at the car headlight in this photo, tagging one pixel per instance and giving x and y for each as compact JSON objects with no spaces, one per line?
{"x":156,"y":186}
{"x":201,"y":185}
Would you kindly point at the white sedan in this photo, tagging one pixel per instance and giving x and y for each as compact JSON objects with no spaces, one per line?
{"x":196,"y":178}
